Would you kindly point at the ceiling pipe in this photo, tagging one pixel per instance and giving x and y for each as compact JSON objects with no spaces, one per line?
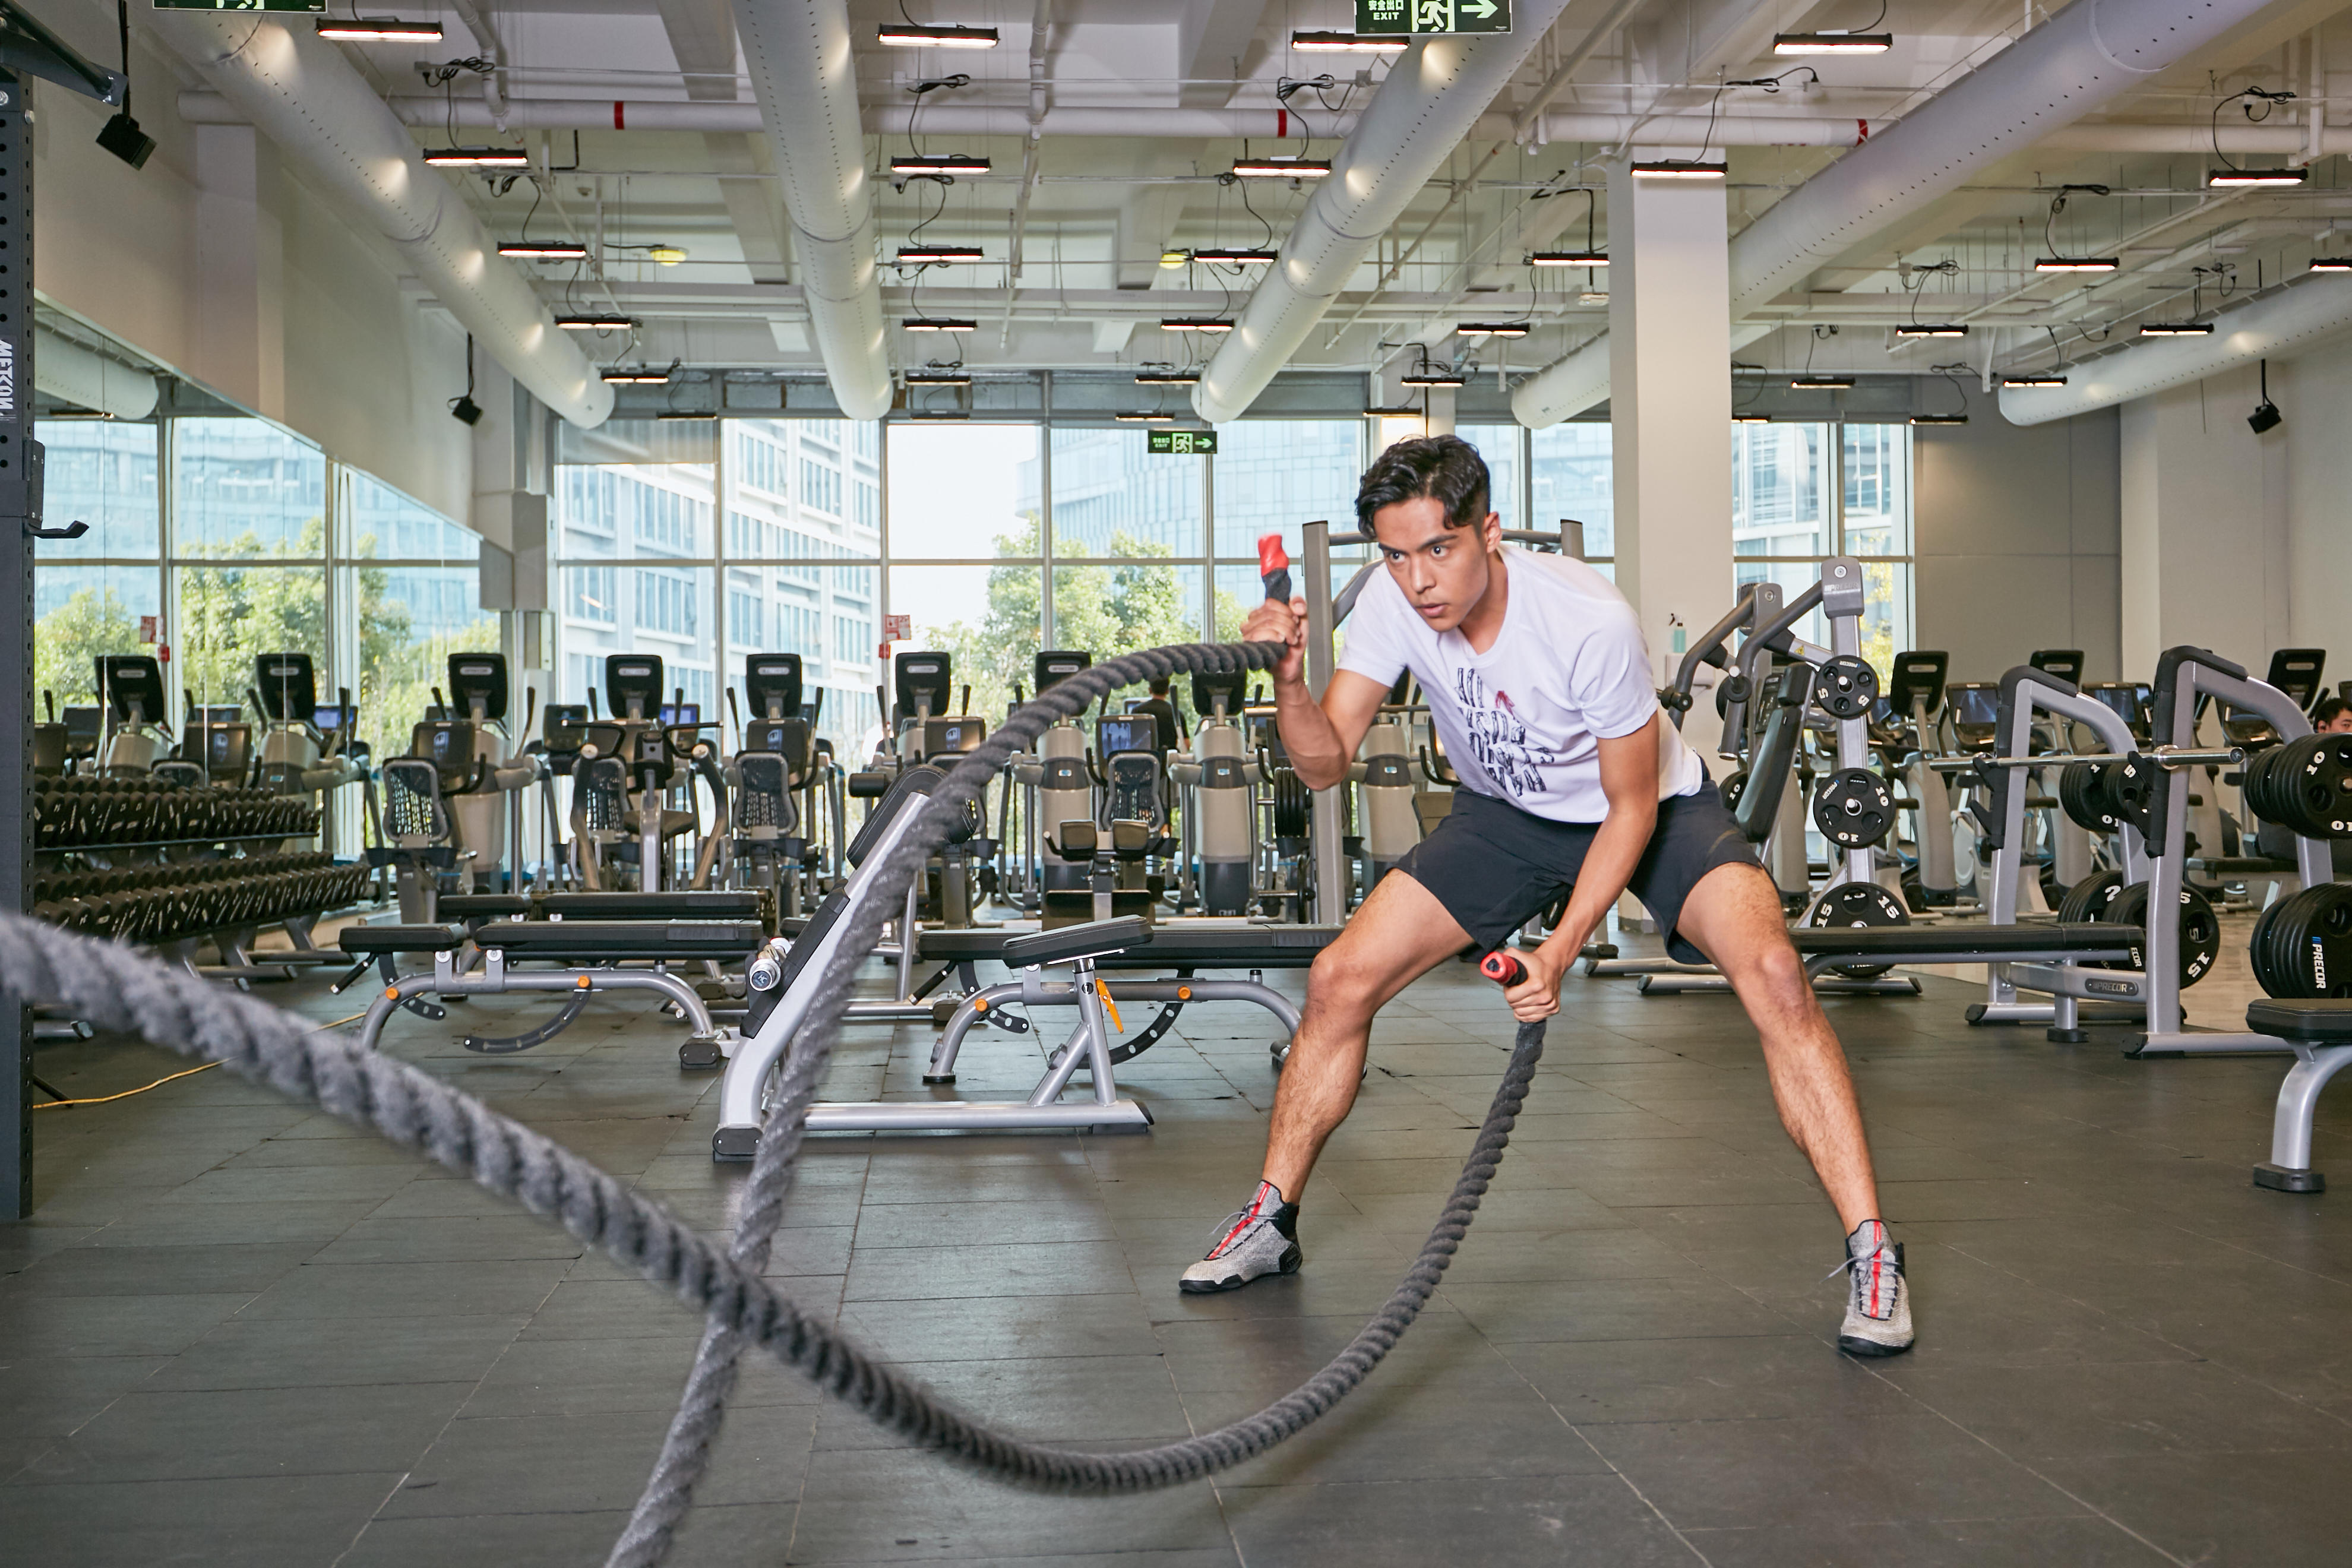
{"x":2280,"y":325}
{"x":1432,"y":98}
{"x":306,"y":97}
{"x":806,"y":83}
{"x":2078,"y":61}
{"x":198,"y":106}
{"x":71,"y":372}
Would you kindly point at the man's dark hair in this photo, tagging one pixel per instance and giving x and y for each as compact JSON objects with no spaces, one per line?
{"x":1158,"y":685}
{"x":1444,"y":467}
{"x":2327,"y":710}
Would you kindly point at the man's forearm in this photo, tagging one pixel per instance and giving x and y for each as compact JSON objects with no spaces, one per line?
{"x":1608,"y":866}
{"x":1310,"y":736}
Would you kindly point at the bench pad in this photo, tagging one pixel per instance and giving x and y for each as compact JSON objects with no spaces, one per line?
{"x":2302,"y":1018}
{"x":360,"y":941}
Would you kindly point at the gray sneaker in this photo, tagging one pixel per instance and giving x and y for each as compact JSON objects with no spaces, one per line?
{"x":1253,"y":1242}
{"x":1878,"y":1302}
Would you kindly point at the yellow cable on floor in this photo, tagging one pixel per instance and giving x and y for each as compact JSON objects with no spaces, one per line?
{"x":126,"y":1094}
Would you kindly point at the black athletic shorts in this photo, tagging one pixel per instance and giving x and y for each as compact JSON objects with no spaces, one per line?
{"x":1495,"y":866}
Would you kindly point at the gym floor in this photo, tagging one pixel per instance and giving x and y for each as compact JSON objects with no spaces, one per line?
{"x":240,"y":1333}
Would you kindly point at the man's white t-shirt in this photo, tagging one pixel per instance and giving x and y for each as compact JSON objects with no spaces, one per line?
{"x":1523,"y":721}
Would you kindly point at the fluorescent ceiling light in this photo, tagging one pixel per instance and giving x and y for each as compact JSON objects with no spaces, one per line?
{"x":1490,"y":328}
{"x":938,"y":378}
{"x":1327,"y":43}
{"x":1169,"y":377}
{"x":1831,"y":43}
{"x":942,"y":163}
{"x":1820,"y":382}
{"x":476,"y":158}
{"x":2033,"y":381}
{"x":1679,"y":169}
{"x":938,"y":324}
{"x":1430,"y":378}
{"x":595,"y":321}
{"x":2075,"y":264}
{"x":942,"y":414}
{"x":909,"y":36}
{"x":1932,"y":330}
{"x":1196,"y":324}
{"x":1939,"y":419}
{"x":1282,"y":168}
{"x":666,"y":255}
{"x":2331,"y":264}
{"x":379,"y":30}
{"x":1143,"y":416}
{"x":1567,"y":258}
{"x":545,"y":251}
{"x":2176,"y":328}
{"x":2242,"y":179}
{"x":923,"y":255}
{"x":636,"y":378}
{"x":1219,"y":256}
{"x":683,"y":413}
{"x":1751,"y":419}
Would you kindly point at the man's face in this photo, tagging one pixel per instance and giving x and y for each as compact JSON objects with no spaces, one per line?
{"x":2339,"y":725}
{"x":1444,"y":572}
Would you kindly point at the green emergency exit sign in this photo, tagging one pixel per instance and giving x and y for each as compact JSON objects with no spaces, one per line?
{"x":1432,"y":15}
{"x":240,"y":4}
{"x":1200,"y":443}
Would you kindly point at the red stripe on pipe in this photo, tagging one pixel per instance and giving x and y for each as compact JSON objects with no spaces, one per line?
{"x":618,"y":107}
{"x":1281,"y":124}
{"x":1861,"y":131}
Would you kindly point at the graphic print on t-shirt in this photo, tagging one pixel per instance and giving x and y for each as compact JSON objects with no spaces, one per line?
{"x":1498,"y":740}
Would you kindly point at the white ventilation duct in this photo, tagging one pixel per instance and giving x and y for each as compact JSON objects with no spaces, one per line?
{"x":87,"y":379}
{"x":806,"y":84}
{"x":305,"y":97}
{"x":2074,"y":64}
{"x":2278,"y":326}
{"x":1432,"y":99}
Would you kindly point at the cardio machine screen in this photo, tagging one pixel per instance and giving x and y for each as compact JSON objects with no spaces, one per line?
{"x":327,"y":720}
{"x":2129,"y":703}
{"x":1975,"y":705}
{"x":952,"y":737}
{"x":567,"y":726}
{"x":682,"y":713}
{"x":1128,"y":732}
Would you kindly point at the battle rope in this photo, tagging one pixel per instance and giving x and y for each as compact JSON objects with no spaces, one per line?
{"x":124,"y":992}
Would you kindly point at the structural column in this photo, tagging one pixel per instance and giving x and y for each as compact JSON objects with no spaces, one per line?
{"x":1670,"y":412}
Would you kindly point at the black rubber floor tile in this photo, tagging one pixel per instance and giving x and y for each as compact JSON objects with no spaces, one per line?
{"x":978,"y":1329}
{"x":1670,"y":1308}
{"x":320,"y":1353}
{"x":1469,"y":1429}
{"x":2064,"y":1542}
{"x":2281,"y":1509}
{"x":897,"y":1506}
{"x":110,"y":1325}
{"x":604,"y":1309}
{"x":1565,"y":1255}
{"x":2048,"y":1412}
{"x":1746,"y":1379}
{"x":162,"y":1270}
{"x":283,"y":1221}
{"x":410,"y":1290}
{"x":1233,"y":1364}
{"x":153,"y":1435}
{"x":292,"y":1521}
{"x":493,"y":1239}
{"x":323,"y":1184}
{"x":1050,"y":1268}
{"x":1822,"y":1471}
{"x":1011,"y":1225}
{"x":1089,"y":1401}
{"x":1547,"y":1519}
{"x":573,"y":1463}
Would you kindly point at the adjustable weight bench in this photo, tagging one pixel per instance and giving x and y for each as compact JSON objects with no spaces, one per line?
{"x":585,"y":952}
{"x":1185,"y":946}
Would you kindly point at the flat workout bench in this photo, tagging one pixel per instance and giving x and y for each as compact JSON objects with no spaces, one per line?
{"x":583,"y":949}
{"x":2319,"y":1032}
{"x":1180,"y":945}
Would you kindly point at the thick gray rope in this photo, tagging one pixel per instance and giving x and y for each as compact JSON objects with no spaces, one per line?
{"x":122,"y":991}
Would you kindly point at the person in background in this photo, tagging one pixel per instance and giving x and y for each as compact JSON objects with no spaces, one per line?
{"x":2332,"y":716}
{"x":1163,"y":721}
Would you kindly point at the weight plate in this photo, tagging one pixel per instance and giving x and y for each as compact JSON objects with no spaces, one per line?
{"x":1732,"y":787}
{"x":1853,"y":808}
{"x":2200,"y":932}
{"x":2087,"y":899}
{"x":2131,"y":792}
{"x":2083,"y":793}
{"x":2320,"y":786}
{"x":1845,"y":687}
{"x":1857,"y":904}
{"x":2306,"y":943}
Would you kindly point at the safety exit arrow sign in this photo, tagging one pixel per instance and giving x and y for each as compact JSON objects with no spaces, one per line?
{"x":1432,"y":15}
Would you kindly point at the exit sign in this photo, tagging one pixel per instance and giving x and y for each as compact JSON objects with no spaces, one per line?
{"x":240,"y":4}
{"x":1202,"y":443}
{"x":1432,"y":15}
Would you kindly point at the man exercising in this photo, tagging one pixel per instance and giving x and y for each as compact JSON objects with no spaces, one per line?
{"x":1572,"y":781}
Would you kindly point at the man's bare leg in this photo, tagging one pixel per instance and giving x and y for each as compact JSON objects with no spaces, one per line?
{"x":1396,"y":936}
{"x":1734,"y":917}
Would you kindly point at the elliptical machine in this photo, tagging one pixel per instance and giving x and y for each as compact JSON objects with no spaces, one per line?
{"x":1219,"y":808}
{"x":307,"y":748}
{"x":1060,"y":787}
{"x":130,"y":690}
{"x":621,"y":824}
{"x":487,"y":811}
{"x":769,"y":781}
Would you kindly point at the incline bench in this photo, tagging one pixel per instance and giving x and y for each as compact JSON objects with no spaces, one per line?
{"x":582,"y":952}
